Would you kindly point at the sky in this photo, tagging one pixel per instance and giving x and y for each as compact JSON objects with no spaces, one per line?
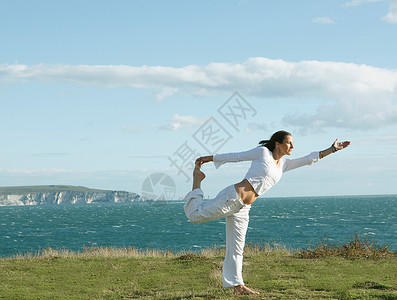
{"x":125,"y":95}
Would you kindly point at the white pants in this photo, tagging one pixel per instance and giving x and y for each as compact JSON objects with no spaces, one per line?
{"x":226,"y":204}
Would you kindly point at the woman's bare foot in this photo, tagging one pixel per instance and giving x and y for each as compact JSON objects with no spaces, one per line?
{"x":198,"y":176}
{"x":243,"y":290}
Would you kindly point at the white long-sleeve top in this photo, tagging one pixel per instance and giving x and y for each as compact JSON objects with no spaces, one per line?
{"x":264,"y":172}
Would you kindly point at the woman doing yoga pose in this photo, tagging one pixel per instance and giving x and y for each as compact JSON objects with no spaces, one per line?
{"x":234,"y":202}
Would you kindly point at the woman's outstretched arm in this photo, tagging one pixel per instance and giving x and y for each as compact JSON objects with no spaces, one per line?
{"x":336,"y":146}
{"x":220,"y":159}
{"x":290,"y":164}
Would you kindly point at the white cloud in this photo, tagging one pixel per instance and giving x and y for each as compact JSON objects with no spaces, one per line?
{"x":165,"y":92}
{"x":359,"y":2}
{"x":361,"y":96}
{"x":37,"y":172}
{"x":255,"y":127}
{"x":373,"y":141}
{"x":179,"y":122}
{"x":50,"y":154}
{"x":131,"y":129}
{"x":391,"y":16}
{"x":323,"y":20}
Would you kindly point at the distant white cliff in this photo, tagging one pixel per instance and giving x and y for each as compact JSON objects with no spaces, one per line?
{"x":39,"y":195}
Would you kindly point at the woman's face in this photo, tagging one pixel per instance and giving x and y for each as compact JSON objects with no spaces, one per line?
{"x":286,"y":147}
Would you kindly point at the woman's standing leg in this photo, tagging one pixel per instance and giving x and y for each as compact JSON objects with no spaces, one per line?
{"x":236,"y":229}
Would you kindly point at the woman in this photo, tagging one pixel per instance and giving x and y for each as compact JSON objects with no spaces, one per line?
{"x":234,"y":202}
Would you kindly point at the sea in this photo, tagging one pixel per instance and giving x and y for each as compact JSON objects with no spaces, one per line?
{"x":296,"y":223}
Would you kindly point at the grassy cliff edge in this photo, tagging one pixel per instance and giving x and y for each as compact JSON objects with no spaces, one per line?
{"x":128,"y":273}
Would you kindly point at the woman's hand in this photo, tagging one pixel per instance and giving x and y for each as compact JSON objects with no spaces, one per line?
{"x":204,"y":159}
{"x":340,"y":145}
{"x":336,"y":146}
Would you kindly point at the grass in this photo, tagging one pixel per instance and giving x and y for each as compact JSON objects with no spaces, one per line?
{"x":128,"y":273}
{"x":356,"y":248}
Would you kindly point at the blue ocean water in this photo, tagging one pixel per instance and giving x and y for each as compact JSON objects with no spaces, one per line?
{"x":295,"y":222}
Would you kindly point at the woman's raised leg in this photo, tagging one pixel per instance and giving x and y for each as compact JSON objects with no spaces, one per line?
{"x":198,"y":176}
{"x":224,"y":204}
{"x":194,"y":198}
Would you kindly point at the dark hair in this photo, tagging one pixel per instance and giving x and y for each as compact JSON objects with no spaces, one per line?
{"x":278,"y":136}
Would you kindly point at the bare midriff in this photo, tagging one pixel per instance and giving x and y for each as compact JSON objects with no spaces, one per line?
{"x":246,"y":192}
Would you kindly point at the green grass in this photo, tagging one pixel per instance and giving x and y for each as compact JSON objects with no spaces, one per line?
{"x":356,"y":248}
{"x":126,"y":273}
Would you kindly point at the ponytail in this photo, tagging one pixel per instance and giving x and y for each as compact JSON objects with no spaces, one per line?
{"x":264,"y":143}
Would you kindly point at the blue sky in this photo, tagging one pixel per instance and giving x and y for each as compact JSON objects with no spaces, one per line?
{"x":104,"y":94}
